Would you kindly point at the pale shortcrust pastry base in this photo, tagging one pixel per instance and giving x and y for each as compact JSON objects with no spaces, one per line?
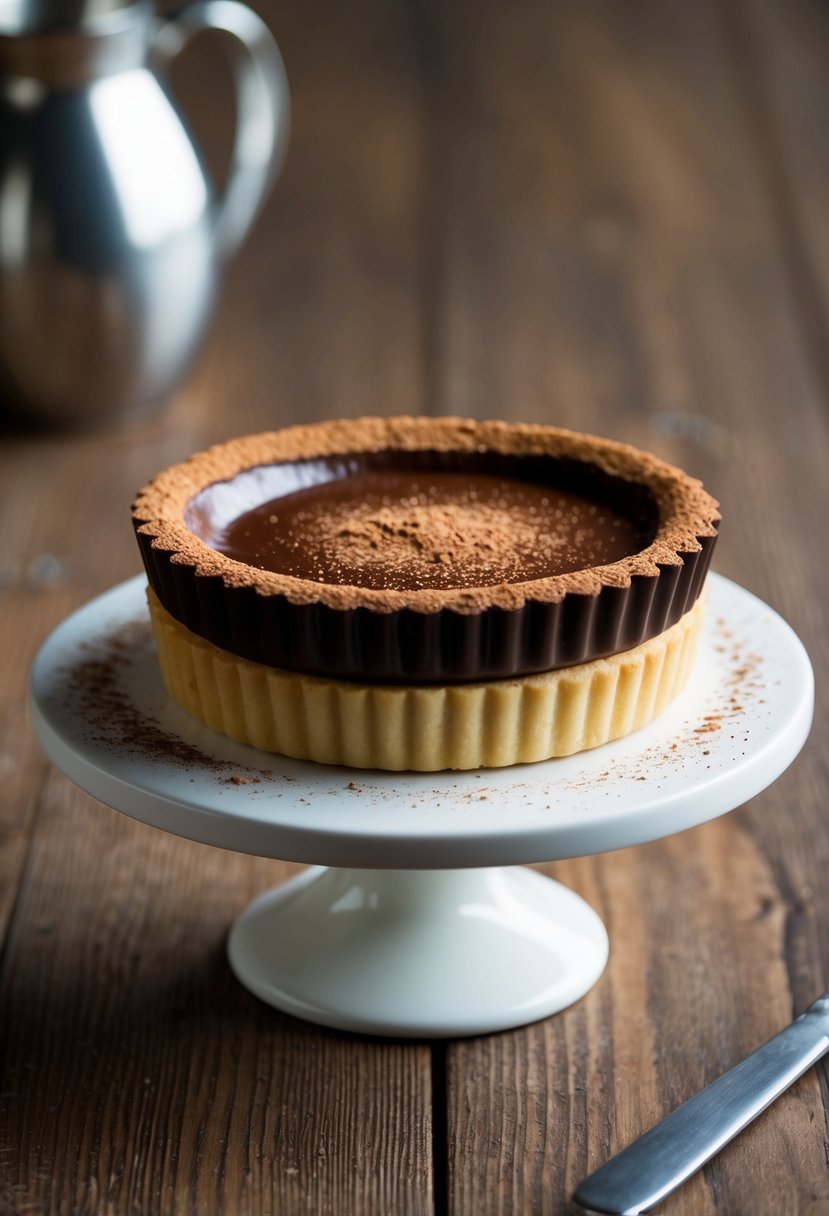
{"x":423,"y":727}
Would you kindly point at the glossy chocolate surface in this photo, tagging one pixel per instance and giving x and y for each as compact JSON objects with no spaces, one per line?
{"x":384,"y":520}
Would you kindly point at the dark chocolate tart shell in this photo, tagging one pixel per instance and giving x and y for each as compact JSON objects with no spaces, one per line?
{"x":432,"y":636}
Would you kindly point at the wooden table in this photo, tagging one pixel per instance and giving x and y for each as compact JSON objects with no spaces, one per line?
{"x":612,"y":217}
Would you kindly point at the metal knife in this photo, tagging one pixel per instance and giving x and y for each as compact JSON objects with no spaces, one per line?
{"x":664,"y":1157}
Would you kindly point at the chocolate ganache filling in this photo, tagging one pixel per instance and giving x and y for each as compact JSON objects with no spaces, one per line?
{"x":414,"y":520}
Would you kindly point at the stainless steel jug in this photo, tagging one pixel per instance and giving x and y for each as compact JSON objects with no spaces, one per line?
{"x":111,"y":237}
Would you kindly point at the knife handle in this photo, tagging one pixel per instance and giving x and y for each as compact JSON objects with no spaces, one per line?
{"x":661,"y":1159}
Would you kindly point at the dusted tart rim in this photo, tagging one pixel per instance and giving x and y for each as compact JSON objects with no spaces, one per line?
{"x":426,"y":635}
{"x":687,"y":513}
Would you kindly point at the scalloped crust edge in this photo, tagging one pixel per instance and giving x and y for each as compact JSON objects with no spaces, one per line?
{"x":425,"y":728}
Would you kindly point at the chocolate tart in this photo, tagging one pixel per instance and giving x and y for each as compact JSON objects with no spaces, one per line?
{"x":425,"y":551}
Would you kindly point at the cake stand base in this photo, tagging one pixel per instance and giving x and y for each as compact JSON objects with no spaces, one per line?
{"x":425,"y":953}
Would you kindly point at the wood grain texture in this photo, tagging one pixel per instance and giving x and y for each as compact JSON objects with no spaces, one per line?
{"x":141,"y":1077}
{"x":615,"y":262}
{"x":137,"y":1075}
{"x":779,"y":54}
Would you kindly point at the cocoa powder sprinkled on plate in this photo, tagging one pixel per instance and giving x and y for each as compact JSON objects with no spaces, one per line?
{"x":95,"y":686}
{"x":742,"y":680}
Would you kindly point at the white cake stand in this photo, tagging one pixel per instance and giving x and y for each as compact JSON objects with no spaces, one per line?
{"x":419,"y":929}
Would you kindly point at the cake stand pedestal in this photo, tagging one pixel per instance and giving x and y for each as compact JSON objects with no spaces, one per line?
{"x":419,"y":952}
{"x":412,"y":920}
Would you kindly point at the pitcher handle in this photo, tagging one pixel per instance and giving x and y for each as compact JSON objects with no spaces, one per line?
{"x":263,"y":106}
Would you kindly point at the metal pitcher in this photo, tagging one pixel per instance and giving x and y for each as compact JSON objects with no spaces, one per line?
{"x":111,"y":237}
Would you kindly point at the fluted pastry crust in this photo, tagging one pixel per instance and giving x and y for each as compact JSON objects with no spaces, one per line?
{"x":422,"y":728}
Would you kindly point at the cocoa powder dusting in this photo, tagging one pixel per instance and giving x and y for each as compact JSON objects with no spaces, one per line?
{"x":292,"y":561}
{"x":406,"y":531}
{"x":94,"y":688}
{"x":742,"y":683}
{"x":439,"y":535}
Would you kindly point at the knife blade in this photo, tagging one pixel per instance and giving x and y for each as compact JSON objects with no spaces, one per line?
{"x":662,"y":1159}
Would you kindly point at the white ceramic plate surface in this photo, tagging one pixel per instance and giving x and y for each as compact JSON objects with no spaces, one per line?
{"x":742,"y":719}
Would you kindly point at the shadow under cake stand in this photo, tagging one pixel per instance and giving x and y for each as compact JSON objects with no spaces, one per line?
{"x":418,"y":917}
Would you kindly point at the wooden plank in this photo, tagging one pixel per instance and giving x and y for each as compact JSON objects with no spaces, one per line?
{"x":140,"y":1076}
{"x":51,"y":495}
{"x":613,"y":262}
{"x":320,"y":315}
{"x":136,"y":1074}
{"x":780,"y":54}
